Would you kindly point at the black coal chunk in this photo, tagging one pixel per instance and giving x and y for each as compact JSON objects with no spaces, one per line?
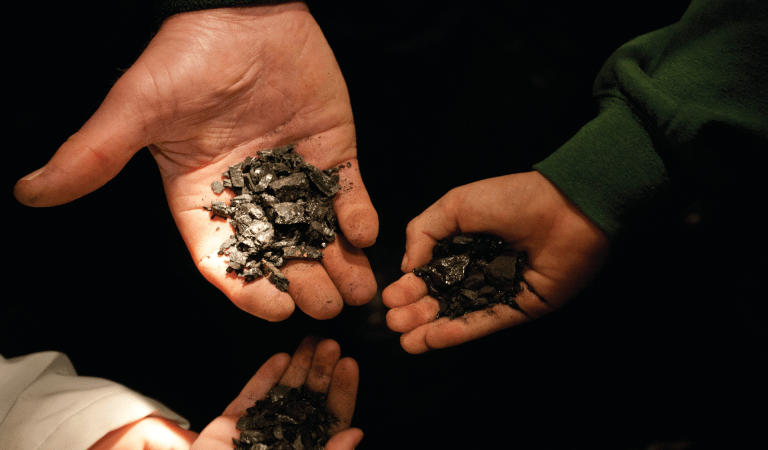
{"x":302,"y":252}
{"x":323,"y":181}
{"x":274,"y":275}
{"x":288,"y":419}
{"x":217,"y":186}
{"x":288,"y":213}
{"x":445,"y":271}
{"x":281,"y":210}
{"x":471,"y":272}
{"x":220,"y":209}
{"x":236,"y":175}
{"x":501,"y":270}
{"x":290,"y":188}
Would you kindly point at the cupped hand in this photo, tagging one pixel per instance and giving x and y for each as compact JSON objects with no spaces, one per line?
{"x":211,"y":88}
{"x":316,"y":364}
{"x":565,"y":251}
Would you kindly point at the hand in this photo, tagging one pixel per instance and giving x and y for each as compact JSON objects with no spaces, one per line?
{"x":315,"y":364}
{"x":213,"y":87}
{"x":149,"y":433}
{"x":565,"y":251}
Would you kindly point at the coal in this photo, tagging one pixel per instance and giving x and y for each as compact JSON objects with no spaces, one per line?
{"x":470,"y":272}
{"x":286,"y":419}
{"x":281,"y":210}
{"x":291,"y":187}
{"x":273,"y":274}
{"x":302,"y":252}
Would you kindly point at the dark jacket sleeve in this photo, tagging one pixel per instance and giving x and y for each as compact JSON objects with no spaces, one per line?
{"x":677,"y":108}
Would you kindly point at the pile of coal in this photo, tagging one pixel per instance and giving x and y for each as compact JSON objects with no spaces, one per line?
{"x":471,"y":272}
{"x":287,"y":419}
{"x":281,"y":211}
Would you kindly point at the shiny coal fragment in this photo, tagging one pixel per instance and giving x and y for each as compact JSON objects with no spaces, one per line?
{"x":236,"y":176}
{"x":323,"y":181}
{"x":264,"y":182}
{"x":217,"y":186}
{"x":247,"y":163}
{"x":446,"y":271}
{"x":471,"y":272}
{"x":302,"y":252}
{"x":288,"y":213}
{"x":253,"y":210}
{"x":226,"y":244}
{"x":237,"y":260}
{"x":261,"y":232}
{"x":281,"y":202}
{"x":287,"y":419}
{"x":220,"y":209}
{"x":274,"y":275}
{"x":252,"y":273}
{"x":291,"y":187}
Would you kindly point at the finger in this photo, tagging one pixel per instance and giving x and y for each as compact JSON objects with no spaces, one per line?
{"x":422,"y":233}
{"x":350,"y":271}
{"x":345,"y":440}
{"x":327,"y":354}
{"x":312,"y":289}
{"x":408,"y":317}
{"x":297,"y":371}
{"x":358,"y":219}
{"x":257,"y":387}
{"x":408,"y":289}
{"x":90,"y":157}
{"x":217,"y":434}
{"x":446,"y":333}
{"x":342,"y":392}
{"x":530,"y":301}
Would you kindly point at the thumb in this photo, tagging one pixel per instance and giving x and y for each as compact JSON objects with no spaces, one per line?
{"x":422,"y":233}
{"x":345,"y":440}
{"x":90,"y":157}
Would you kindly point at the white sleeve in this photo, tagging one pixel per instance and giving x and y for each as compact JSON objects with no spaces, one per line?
{"x":44,"y":405}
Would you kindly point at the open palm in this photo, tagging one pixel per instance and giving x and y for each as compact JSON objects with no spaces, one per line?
{"x":211,"y":88}
{"x":316,"y":364}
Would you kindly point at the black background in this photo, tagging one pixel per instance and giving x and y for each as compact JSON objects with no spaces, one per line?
{"x":667,"y":345}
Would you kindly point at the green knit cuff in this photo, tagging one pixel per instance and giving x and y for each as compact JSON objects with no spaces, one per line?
{"x":610,"y":170}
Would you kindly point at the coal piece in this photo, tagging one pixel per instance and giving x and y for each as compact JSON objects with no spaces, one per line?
{"x":288,"y":213}
{"x":281,"y":202}
{"x":302,"y":252}
{"x":274,"y":275}
{"x":290,"y":188}
{"x":449,"y":270}
{"x":501,"y":270}
{"x":288,"y":419}
{"x":323,"y":181}
{"x":471,"y":272}
{"x":236,"y":176}
{"x":217,"y":186}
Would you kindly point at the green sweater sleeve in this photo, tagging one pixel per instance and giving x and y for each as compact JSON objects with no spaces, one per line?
{"x":677,"y":107}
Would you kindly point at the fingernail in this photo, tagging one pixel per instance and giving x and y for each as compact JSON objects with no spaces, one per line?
{"x":34,"y":174}
{"x":404,"y":264}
